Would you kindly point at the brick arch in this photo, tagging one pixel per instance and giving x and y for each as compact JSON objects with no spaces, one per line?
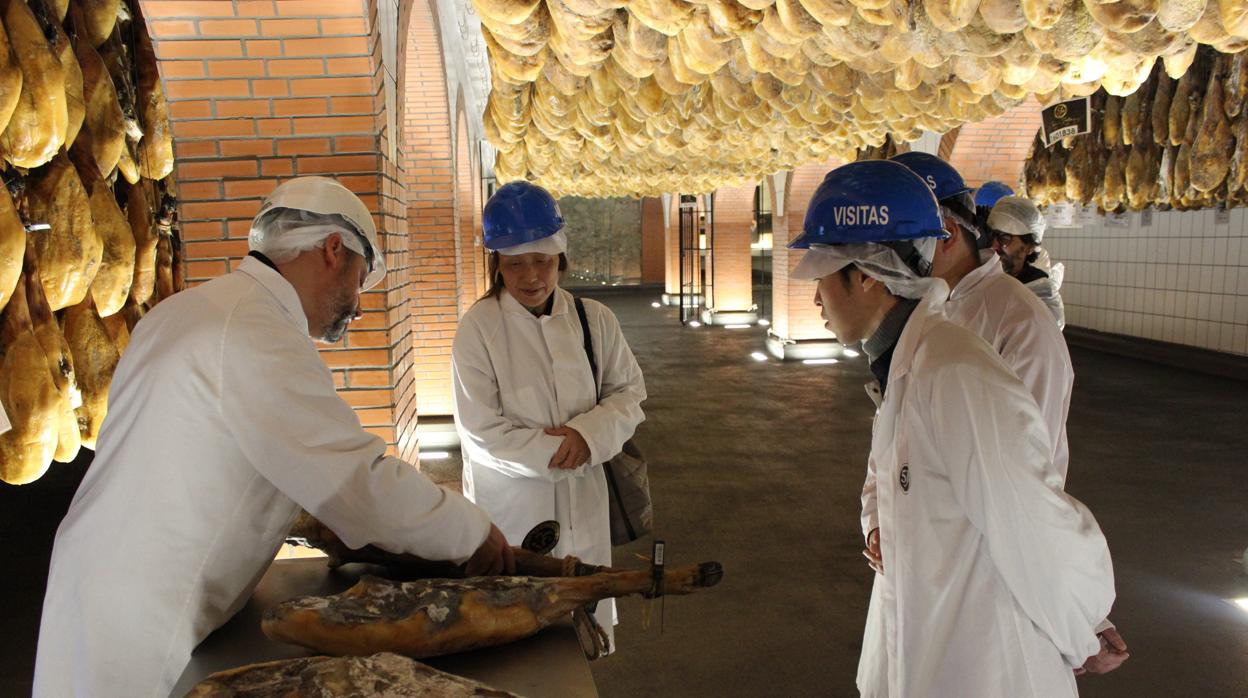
{"x":996,"y":148}
{"x":469,"y":263}
{"x":427,"y":174}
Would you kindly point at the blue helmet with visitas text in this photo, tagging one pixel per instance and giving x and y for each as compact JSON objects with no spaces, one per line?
{"x":518,"y":213}
{"x":870,"y":201}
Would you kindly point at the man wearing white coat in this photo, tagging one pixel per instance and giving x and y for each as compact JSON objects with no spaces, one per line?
{"x":995,"y":578}
{"x":535,"y":424}
{"x":1013,"y":320}
{"x":223,"y":421}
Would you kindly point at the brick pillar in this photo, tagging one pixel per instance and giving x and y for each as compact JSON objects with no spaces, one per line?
{"x":671,"y":248}
{"x":653,"y":239}
{"x":797,"y":330}
{"x":263,"y":91}
{"x":996,"y":149}
{"x":732,"y":282}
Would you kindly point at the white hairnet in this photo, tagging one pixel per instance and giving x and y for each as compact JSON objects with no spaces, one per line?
{"x":551,"y":244}
{"x":1017,"y":216}
{"x":282,"y":233}
{"x":880,"y":262}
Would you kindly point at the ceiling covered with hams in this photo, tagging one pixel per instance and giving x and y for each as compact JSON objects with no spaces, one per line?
{"x":642,"y":97}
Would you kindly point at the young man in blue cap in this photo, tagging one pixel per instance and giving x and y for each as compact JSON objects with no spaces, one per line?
{"x":991,"y":579}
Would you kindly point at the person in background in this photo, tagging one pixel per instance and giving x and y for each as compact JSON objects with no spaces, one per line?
{"x":534,"y":423}
{"x":223,"y":422}
{"x":987,"y":196}
{"x":1018,"y":230}
{"x":991,"y":579}
{"x":1013,"y":320}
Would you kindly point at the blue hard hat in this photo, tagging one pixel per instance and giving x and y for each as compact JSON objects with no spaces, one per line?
{"x":870,"y":201}
{"x":990,"y":192}
{"x":517,"y":213}
{"x":945,"y":181}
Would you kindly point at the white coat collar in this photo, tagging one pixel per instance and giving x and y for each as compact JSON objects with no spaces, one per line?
{"x":989,"y":266}
{"x":509,"y":304}
{"x":929,"y":306}
{"x":277,"y":285}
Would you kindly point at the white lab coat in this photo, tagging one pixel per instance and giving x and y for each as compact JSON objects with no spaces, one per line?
{"x":515,"y":374}
{"x":223,"y":421}
{"x":995,"y":579}
{"x":1004,"y":313}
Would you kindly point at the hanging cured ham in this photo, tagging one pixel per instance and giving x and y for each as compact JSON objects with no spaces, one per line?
{"x":1212,"y":149}
{"x":40,"y":119}
{"x":70,"y":250}
{"x":29,"y":397}
{"x":111,"y":286}
{"x":154,"y":155}
{"x":12,"y":246}
{"x":692,"y":96}
{"x":141,"y":212}
{"x":60,"y":362}
{"x":95,"y":358}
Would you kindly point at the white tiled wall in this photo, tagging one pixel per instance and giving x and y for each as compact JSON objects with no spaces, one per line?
{"x":1181,"y":278}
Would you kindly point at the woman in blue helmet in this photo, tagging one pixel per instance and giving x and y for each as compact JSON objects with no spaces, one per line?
{"x":990,"y":578}
{"x":535,"y":424}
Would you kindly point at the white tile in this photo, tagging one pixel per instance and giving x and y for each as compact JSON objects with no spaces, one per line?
{"x":1204,"y":278}
{"x":1241,"y":310}
{"x":1207,"y":251}
{"x":1219,"y":279}
{"x":1192,"y":306}
{"x":1221,"y":246}
{"x":1189,"y":331}
{"x":1240,"y":345}
{"x":1226,"y":337}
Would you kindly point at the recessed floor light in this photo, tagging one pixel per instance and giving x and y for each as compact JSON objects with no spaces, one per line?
{"x":764,"y":322}
{"x":819,"y":362}
{"x":1242,"y":602}
{"x":851,"y":353}
{"x":758,"y":356}
{"x":737,"y":327}
{"x":656,"y":304}
{"x":694,"y":323}
{"x":434,"y":455}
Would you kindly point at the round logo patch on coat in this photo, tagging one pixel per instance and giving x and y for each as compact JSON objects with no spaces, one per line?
{"x":904,"y":479}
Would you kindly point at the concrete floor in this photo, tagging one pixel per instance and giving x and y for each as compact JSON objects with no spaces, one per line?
{"x":759,"y":465}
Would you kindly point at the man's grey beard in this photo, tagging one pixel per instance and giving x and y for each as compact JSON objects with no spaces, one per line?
{"x":336,"y":329}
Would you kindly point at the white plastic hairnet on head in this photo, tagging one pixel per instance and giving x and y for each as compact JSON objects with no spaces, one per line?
{"x":552,"y":244}
{"x":880,"y":262}
{"x":282,"y":233}
{"x":1017,"y":216}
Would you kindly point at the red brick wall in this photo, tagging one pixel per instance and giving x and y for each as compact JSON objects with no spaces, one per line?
{"x":795,"y":315}
{"x":734,"y":214}
{"x":996,"y":148}
{"x":260,"y":91}
{"x":653,"y":239}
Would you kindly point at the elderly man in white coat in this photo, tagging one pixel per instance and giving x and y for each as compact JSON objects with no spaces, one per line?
{"x":223,"y":421}
{"x":534,"y":423}
{"x":1013,"y":320}
{"x":995,"y":578}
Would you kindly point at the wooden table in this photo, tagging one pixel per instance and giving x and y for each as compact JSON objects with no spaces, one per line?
{"x":549,"y":664}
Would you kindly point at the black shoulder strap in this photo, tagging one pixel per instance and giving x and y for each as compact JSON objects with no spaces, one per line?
{"x":589,"y":340}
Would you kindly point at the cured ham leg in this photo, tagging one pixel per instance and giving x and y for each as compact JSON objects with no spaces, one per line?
{"x":429,"y":618}
{"x":310,"y":533}
{"x":382,"y":674}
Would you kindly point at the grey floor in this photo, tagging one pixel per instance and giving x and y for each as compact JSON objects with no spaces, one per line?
{"x":758,"y":466}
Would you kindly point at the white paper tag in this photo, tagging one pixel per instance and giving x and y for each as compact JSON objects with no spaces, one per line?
{"x":1087,"y":215}
{"x":1117,"y":220}
{"x":1221,"y":216}
{"x":1146,"y":217}
{"x":4,"y":421}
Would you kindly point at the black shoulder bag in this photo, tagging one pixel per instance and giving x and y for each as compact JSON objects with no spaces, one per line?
{"x":628,"y":481}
